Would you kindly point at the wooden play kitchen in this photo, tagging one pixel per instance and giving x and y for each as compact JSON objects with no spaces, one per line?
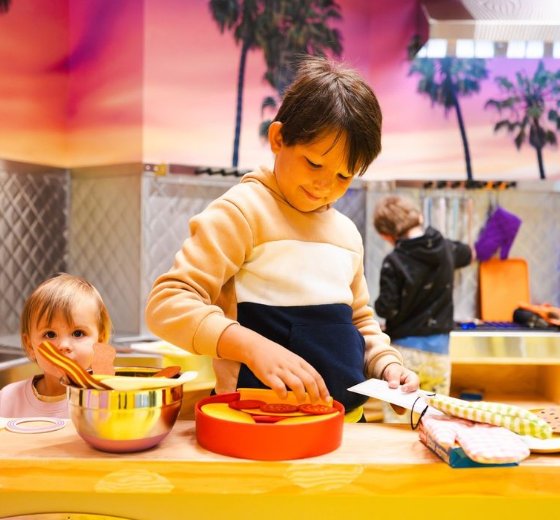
{"x":377,"y":468}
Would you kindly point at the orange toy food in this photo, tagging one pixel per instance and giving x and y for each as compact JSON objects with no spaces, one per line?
{"x":75,"y":372}
{"x":254,"y":437}
{"x":246,"y":404}
{"x":316,"y":409}
{"x":279,"y":408}
{"x":103,"y":359}
{"x":168,"y":372}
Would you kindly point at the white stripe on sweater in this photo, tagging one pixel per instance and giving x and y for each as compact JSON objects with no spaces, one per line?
{"x":291,"y":272}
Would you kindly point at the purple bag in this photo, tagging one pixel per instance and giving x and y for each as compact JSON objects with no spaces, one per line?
{"x":499,"y":232}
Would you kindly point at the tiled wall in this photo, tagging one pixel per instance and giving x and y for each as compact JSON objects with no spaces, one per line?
{"x":33,"y":234}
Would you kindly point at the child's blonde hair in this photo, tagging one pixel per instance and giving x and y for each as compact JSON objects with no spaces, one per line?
{"x":62,"y":294}
{"x":395,"y":215}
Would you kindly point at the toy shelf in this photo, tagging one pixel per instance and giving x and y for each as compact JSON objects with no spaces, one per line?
{"x":521,"y":369}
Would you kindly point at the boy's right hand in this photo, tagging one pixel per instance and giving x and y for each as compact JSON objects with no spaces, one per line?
{"x":276,"y":366}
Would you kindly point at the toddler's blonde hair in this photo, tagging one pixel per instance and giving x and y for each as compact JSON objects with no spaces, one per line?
{"x":62,"y":294}
{"x":395,"y":215}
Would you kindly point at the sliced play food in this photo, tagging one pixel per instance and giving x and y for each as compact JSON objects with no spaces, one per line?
{"x":168,"y":372}
{"x":307,"y":418}
{"x":128,"y":384}
{"x":316,"y":409}
{"x":103,"y":359}
{"x":551,"y":415}
{"x":268,"y":419}
{"x":75,"y":373}
{"x":224,"y":412}
{"x":268,"y":396}
{"x":246,"y":404}
{"x":279,"y":408}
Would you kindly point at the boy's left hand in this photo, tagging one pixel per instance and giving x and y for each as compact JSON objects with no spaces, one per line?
{"x":395,"y":374}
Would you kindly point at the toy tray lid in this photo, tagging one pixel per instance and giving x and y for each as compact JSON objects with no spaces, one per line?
{"x":267,"y":441}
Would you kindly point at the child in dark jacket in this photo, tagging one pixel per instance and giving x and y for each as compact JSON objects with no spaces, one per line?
{"x":416,"y":291}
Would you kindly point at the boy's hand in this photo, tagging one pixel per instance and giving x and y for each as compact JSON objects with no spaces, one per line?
{"x":274,"y":365}
{"x":395,"y":374}
{"x":279,"y":368}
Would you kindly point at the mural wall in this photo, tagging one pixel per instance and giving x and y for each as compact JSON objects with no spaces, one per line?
{"x":104,"y":82}
{"x":33,"y":96}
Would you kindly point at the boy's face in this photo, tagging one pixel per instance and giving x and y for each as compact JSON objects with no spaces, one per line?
{"x":310,"y":175}
{"x":73,"y":341}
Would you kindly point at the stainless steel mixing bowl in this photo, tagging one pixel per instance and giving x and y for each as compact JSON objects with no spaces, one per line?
{"x":124,"y":421}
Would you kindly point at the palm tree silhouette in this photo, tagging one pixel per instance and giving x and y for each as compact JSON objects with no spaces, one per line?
{"x":4,"y":6}
{"x":290,"y":29}
{"x":525,"y":103}
{"x":282,"y":29}
{"x":241,"y":17}
{"x":444,"y":80}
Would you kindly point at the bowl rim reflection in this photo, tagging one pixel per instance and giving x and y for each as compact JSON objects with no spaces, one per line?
{"x":145,"y":371}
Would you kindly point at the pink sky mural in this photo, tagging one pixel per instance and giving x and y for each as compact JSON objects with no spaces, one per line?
{"x":190,"y":101}
{"x":89,"y":83}
{"x":33,"y":99}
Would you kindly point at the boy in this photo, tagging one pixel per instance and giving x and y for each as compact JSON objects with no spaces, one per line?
{"x":416,"y":290}
{"x":270,"y":282}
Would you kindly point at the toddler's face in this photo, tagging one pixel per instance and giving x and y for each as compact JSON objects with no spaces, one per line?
{"x":310,"y":175}
{"x":74,"y":341}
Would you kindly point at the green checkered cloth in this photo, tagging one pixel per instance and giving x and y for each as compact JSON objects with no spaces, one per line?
{"x":511,"y":417}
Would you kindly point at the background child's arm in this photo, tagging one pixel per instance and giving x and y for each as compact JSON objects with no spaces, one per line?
{"x":273,"y":364}
{"x":387,"y":304}
{"x":378,"y":351}
{"x":463,"y":254}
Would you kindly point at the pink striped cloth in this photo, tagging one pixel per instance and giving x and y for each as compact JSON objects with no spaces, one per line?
{"x":481,"y":442}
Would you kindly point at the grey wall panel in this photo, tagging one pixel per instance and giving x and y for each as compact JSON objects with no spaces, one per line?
{"x":33,"y":235}
{"x":168,"y":205}
{"x":105,"y":240}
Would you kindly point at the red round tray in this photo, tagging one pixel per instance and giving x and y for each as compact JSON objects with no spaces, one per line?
{"x":267,"y":441}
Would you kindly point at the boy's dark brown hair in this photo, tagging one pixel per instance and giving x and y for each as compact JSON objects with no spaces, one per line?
{"x":395,"y":215}
{"x":325,"y":96}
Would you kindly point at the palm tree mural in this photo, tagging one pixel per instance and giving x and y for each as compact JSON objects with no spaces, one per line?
{"x":444,"y":81}
{"x":291,"y":29}
{"x":4,"y":6}
{"x":525,"y":105}
{"x":240,"y":17}
{"x":282,"y":29}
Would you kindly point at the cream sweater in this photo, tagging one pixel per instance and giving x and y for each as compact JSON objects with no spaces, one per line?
{"x":250,"y":253}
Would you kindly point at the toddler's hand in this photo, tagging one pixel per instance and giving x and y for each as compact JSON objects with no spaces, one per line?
{"x":395,"y":374}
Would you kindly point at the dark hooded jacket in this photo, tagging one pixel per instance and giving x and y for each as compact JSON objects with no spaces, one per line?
{"x":416,"y":285}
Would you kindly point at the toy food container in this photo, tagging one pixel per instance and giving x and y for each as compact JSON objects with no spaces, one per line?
{"x":256,"y":424}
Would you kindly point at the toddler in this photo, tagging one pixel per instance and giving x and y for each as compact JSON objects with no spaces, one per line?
{"x":69,"y":313}
{"x":271,"y":281}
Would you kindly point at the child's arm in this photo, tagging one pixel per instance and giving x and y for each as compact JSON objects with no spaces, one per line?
{"x":273,"y":364}
{"x":183,"y":307}
{"x":463,"y":254}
